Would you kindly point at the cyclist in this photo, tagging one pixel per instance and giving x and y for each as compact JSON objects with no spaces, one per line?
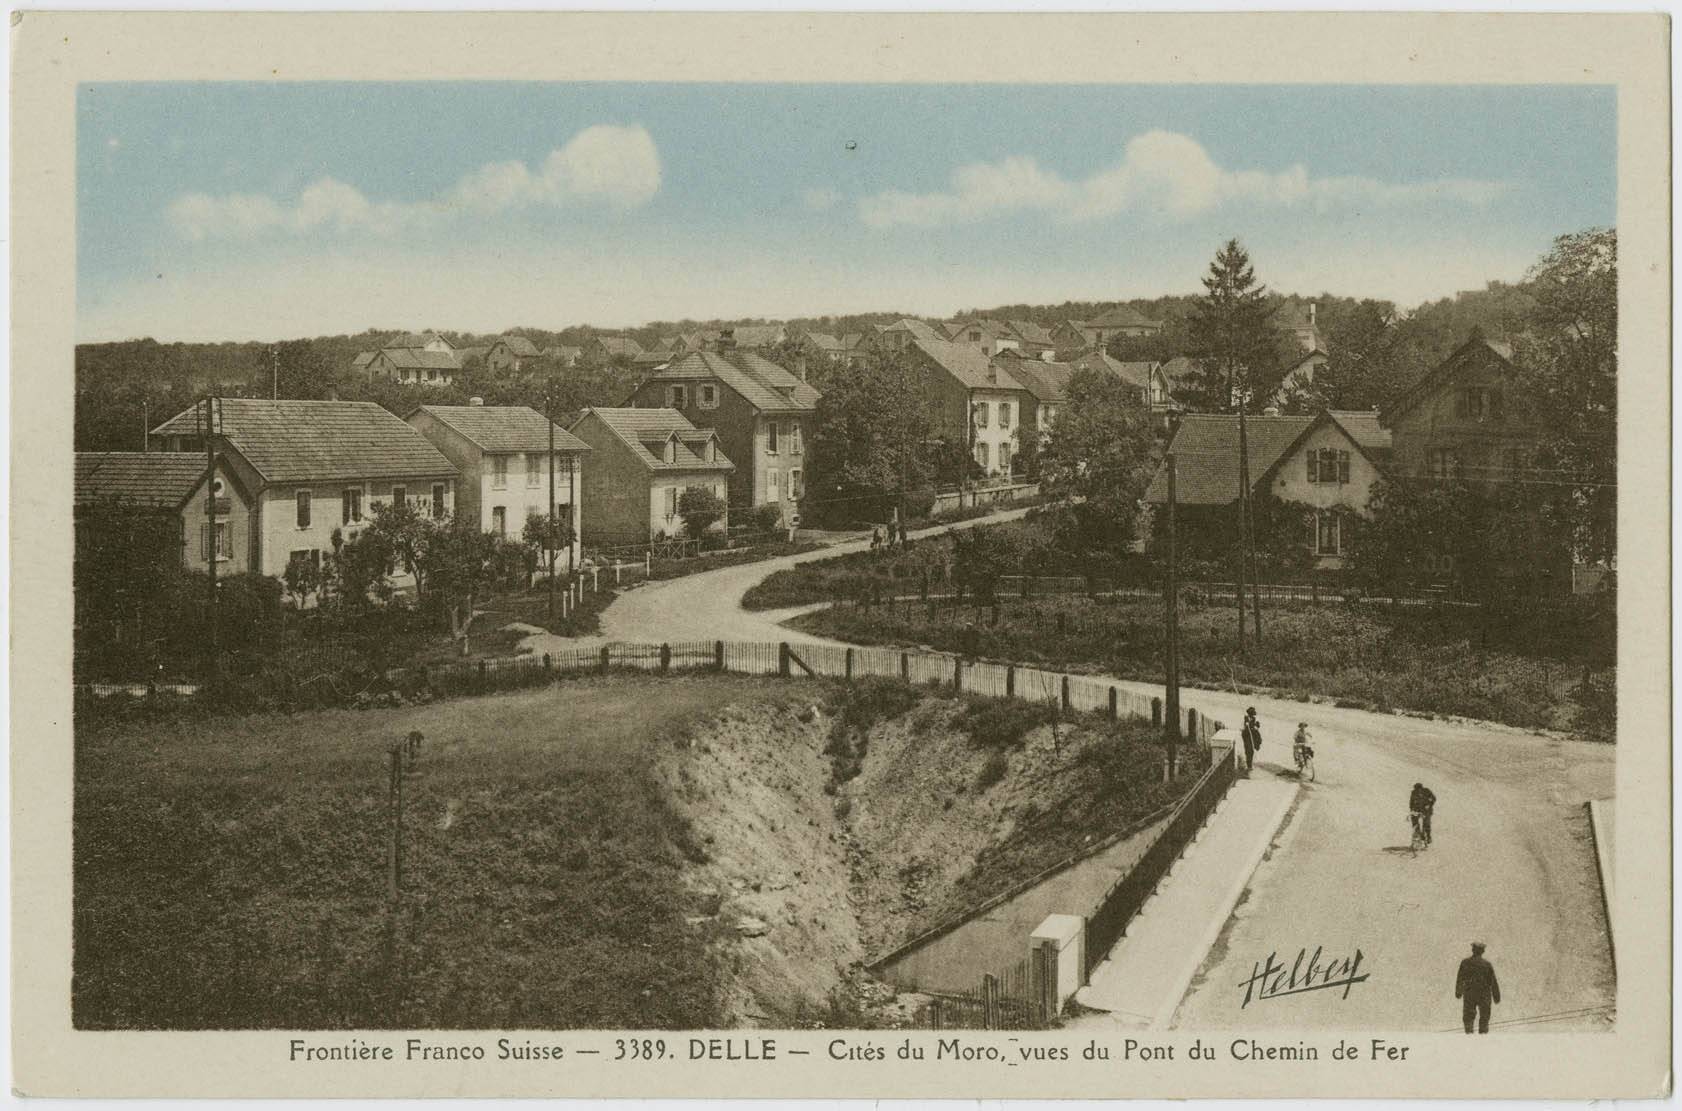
{"x":1420,"y":804}
{"x":1300,"y":751}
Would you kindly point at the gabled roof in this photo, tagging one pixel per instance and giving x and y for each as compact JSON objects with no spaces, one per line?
{"x":761,"y":383}
{"x":417,"y":339}
{"x":968,"y":365}
{"x":1029,"y":332}
{"x":363,"y":359}
{"x":644,"y":433}
{"x":308,"y":441}
{"x":653,"y":358}
{"x":1048,"y":382}
{"x":521,"y":346}
{"x":503,"y":428}
{"x":1205,"y":450}
{"x":145,"y":479}
{"x":823,"y":341}
{"x":1478,"y":347}
{"x":1363,"y":427}
{"x":987,"y":326}
{"x":919,"y":329}
{"x":619,"y":345}
{"x":852,"y":340}
{"x":1137,"y":374}
{"x":1123,"y":317}
{"x":417,"y":358}
{"x":563,"y":351}
{"x":1177,"y":368}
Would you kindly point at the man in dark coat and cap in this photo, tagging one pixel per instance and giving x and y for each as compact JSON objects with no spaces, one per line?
{"x":1476,"y":987}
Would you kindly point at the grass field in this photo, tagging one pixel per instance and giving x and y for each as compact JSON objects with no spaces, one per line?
{"x":230,"y":872}
{"x":1356,"y":655}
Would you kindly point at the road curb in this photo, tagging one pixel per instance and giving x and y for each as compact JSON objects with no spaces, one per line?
{"x":1218,"y":921}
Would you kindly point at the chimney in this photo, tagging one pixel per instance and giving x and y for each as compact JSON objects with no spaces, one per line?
{"x":475,"y":401}
{"x":726,"y":339}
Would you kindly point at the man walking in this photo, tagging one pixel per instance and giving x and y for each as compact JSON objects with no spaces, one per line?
{"x":1252,"y":738}
{"x":1476,"y":987}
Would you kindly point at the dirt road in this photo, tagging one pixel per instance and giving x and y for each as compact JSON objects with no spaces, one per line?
{"x":1512,"y":864}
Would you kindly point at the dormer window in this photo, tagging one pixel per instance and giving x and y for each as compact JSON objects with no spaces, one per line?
{"x":712,"y":450}
{"x":671,"y":449}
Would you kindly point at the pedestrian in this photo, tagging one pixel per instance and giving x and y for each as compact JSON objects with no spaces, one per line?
{"x":1475,"y":986}
{"x":876,"y":538}
{"x":1252,"y":738}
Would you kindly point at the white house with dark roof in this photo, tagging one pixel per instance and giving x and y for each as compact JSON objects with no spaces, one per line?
{"x":172,"y":483}
{"x":313,"y":468}
{"x":415,"y":366}
{"x":1082,"y":335}
{"x":641,"y":462}
{"x":974,"y":400}
{"x":511,"y":354}
{"x":502,"y":452}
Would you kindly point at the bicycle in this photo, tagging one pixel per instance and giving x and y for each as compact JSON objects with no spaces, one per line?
{"x":1416,"y":819}
{"x":1304,"y":755}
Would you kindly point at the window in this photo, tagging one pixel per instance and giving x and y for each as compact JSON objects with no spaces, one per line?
{"x":772,"y":486}
{"x":1004,"y":458}
{"x":671,"y":502}
{"x":677,"y":397}
{"x":499,"y":520}
{"x":1004,"y":414}
{"x":706,"y":395}
{"x":305,"y":555}
{"x":499,"y":472}
{"x":303,"y":509}
{"x":795,"y":489}
{"x":1328,"y":465}
{"x":981,"y":409}
{"x":975,"y":335}
{"x":1479,"y":403}
{"x":983,"y":455}
{"x":224,"y":541}
{"x":1443,"y":463}
{"x":399,"y":496}
{"x":671,"y":450}
{"x":796,"y":439}
{"x":352,"y":504}
{"x":771,"y":437}
{"x":437,"y":500}
{"x":712,"y":450}
{"x":1329,"y":533}
{"x":534,"y":469}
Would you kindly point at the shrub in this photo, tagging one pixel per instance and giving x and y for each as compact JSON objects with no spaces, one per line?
{"x":1003,"y":722}
{"x":992,"y":771}
{"x":767,"y":518}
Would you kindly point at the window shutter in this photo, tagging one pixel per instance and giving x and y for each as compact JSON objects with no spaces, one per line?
{"x":1314,"y":465}
{"x":1343,"y":467}
{"x":204,"y":542}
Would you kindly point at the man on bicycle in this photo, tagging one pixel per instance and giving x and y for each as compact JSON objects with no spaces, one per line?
{"x":1299,"y":744}
{"x":1420,"y":804}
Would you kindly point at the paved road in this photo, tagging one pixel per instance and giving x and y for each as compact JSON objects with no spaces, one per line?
{"x":1512,"y":865}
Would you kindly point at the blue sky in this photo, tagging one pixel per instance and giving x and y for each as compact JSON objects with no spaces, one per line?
{"x":236,"y":211}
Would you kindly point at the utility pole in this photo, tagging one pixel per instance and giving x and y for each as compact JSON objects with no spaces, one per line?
{"x":1171,"y":626}
{"x":145,"y":425}
{"x":274,"y":370}
{"x":549,"y":419}
{"x":211,"y":413}
{"x":1243,"y":497}
{"x":1250,"y":532}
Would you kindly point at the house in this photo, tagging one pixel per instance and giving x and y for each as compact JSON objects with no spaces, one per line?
{"x":563,"y":355}
{"x":1461,"y":421}
{"x":901,"y":334}
{"x":424,"y":341}
{"x":641,"y":461}
{"x":1034,"y":339}
{"x":171,"y":485}
{"x":974,"y":400}
{"x":1313,"y":464}
{"x":1155,"y":391}
{"x":503,"y":454}
{"x":511,"y":354}
{"x":313,"y":469}
{"x":1082,"y":335}
{"x":359,"y":365}
{"x":653,"y":360}
{"x":822,"y":345}
{"x":1047,"y":386}
{"x":1309,"y":350}
{"x":602,"y":348}
{"x":415,"y":366}
{"x":761,"y":412}
{"x":987,"y":336}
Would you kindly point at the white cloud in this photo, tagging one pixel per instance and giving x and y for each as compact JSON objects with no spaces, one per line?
{"x":604,"y":164}
{"x":1160,"y":171}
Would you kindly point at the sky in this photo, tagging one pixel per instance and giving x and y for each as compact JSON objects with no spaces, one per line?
{"x":278,"y":210}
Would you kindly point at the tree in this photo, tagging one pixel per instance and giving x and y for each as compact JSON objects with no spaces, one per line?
{"x":700,"y":509}
{"x":303,"y":580}
{"x":1568,"y":368}
{"x":1100,"y":451}
{"x":1236,"y":349}
{"x":465,"y":564}
{"x":1361,"y":358}
{"x":869,"y":440}
{"x":410,"y":537}
{"x":979,"y":557}
{"x":545,"y":534}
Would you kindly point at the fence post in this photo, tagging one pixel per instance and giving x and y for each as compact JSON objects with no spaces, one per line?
{"x":1191,"y":724}
{"x":1010,"y":680}
{"x":648,"y":562}
{"x":1156,"y":712}
{"x":615,"y":570}
{"x":1314,"y":587}
{"x":1115,"y":709}
{"x":607,"y":658}
{"x":905,"y":666}
{"x":957,"y":673}
{"x":548,"y":664}
{"x":849,"y":665}
{"x":595,"y":580}
{"x":782,"y":659}
{"x":481,"y":674}
{"x":665,"y":658}
{"x":718,"y":654}
{"x":990,"y":1001}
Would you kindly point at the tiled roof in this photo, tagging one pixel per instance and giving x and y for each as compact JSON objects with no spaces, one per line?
{"x":563,"y":351}
{"x":150,"y":479}
{"x":1123,"y":317}
{"x":762,"y":383}
{"x":416,"y":339}
{"x":852,"y":340}
{"x":987,"y":327}
{"x":759,"y":335}
{"x":363,"y":359}
{"x":919,"y":329}
{"x":823,"y":341}
{"x":1177,"y":368}
{"x":972,"y":369}
{"x":416,"y":358}
{"x":645,"y":431}
{"x":619,"y":345}
{"x":1205,"y":451}
{"x":1478,"y":346}
{"x":521,"y":346}
{"x":1031,"y":332}
{"x":1048,"y":382}
{"x":653,"y":358}
{"x":1364,"y":429}
{"x":1137,"y":374}
{"x":306,"y":441}
{"x":499,"y":428}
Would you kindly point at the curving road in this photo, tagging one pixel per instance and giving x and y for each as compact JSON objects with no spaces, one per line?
{"x":1512,"y":864}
